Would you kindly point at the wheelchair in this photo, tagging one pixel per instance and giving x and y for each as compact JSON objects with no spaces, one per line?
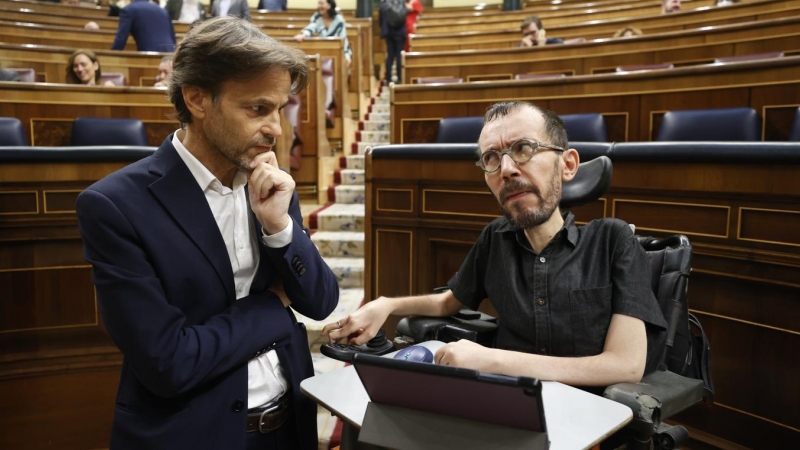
{"x":683,"y":376}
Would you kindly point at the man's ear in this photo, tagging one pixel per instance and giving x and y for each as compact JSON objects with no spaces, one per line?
{"x":195,"y":99}
{"x":571,"y":161}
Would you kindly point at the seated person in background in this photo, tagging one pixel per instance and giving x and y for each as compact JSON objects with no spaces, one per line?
{"x":164,"y":72}
{"x":725,"y":2}
{"x":92,"y":26}
{"x":150,"y":26}
{"x":238,"y":8}
{"x":534,"y":34}
{"x":185,"y":11}
{"x":628,"y":32}
{"x":9,"y":75}
{"x":327,"y":22}
{"x":272,"y":5}
{"x":574,"y":302}
{"x":670,"y":6}
{"x":83,"y":67}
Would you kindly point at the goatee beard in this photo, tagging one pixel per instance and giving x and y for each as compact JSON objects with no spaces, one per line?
{"x":523,"y":217}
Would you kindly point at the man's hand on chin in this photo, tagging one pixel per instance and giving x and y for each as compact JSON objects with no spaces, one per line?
{"x":271,"y":192}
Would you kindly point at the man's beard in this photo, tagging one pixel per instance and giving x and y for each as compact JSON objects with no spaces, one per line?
{"x":527,"y":217}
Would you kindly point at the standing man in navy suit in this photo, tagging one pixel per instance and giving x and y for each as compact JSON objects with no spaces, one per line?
{"x":199,"y":257}
{"x":150,"y":26}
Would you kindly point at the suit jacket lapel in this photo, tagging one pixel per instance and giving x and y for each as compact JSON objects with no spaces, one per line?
{"x":182,"y":197}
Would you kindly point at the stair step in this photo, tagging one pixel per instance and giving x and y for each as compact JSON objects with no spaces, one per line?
{"x":339,"y":217}
{"x":339,"y":243}
{"x":352,"y":162}
{"x":373,"y":125}
{"x":349,"y":271}
{"x":372,"y":136}
{"x":346,"y":193}
{"x":349,"y":176}
{"x":360,"y":148}
{"x":378,"y":116}
{"x":384,"y":93}
{"x":379,"y":108}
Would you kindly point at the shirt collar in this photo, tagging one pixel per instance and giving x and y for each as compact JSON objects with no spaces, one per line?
{"x":201,"y":174}
{"x":569,"y":226}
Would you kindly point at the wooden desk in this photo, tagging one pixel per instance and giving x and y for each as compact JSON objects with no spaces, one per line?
{"x":680,"y":48}
{"x":743,"y":12}
{"x":575,"y":419}
{"x":632,"y":104}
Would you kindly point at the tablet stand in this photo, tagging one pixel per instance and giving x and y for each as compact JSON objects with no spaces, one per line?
{"x":402,"y":428}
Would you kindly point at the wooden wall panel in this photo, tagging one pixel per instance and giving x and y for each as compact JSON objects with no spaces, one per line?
{"x":394,"y":253}
{"x":47,"y":307}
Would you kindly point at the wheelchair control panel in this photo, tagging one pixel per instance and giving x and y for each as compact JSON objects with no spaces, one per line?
{"x":377,"y":346}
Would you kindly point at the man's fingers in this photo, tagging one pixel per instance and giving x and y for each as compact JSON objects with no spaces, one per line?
{"x":266,"y":157}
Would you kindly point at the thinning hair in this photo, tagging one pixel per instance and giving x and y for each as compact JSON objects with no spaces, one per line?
{"x":529,"y":20}
{"x":554,"y":126}
{"x":229,"y":48}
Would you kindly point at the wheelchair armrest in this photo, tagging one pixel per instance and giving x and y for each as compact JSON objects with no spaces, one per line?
{"x":660,"y":395}
{"x":466,"y":324}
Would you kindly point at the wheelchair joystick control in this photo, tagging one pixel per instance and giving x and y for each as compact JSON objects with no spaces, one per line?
{"x":377,"y":346}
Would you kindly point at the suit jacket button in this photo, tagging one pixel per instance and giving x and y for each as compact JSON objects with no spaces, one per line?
{"x":302,"y":270}
{"x":296,"y":260}
{"x":238,"y":405}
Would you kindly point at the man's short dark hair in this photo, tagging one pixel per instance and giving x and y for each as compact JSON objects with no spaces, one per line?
{"x":554,"y":126}
{"x":529,"y":20}
{"x":229,"y":48}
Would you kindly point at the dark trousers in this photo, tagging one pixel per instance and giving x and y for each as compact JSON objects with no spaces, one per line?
{"x":394,"y":45}
{"x":284,"y":437}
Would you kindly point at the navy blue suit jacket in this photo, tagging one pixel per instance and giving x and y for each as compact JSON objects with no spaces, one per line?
{"x":166,"y":293}
{"x":150,"y":26}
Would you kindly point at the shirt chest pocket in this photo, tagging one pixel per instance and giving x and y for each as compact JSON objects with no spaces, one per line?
{"x":590,"y":314}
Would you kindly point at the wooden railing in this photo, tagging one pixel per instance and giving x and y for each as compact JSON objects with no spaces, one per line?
{"x":680,"y":48}
{"x":632,"y":104}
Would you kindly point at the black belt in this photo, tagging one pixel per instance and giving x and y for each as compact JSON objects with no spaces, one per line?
{"x":269,"y":417}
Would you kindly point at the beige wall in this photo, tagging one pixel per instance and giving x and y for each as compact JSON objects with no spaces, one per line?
{"x":447,"y":3}
{"x":312,"y":4}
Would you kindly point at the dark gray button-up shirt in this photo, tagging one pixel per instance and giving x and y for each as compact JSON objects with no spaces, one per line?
{"x":560,"y":302}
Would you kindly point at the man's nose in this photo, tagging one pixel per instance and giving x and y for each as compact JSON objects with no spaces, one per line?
{"x":508,"y":167}
{"x":272,"y":125}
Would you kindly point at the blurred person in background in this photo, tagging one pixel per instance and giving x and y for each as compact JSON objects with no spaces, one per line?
{"x":414,"y":8}
{"x":185,"y":11}
{"x":83,"y":67}
{"x":670,"y":6}
{"x":327,"y":22}
{"x":164,"y":72}
{"x":628,"y":32}
{"x":534,"y":34}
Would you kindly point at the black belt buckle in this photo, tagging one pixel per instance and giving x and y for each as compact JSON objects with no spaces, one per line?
{"x":278,"y":408}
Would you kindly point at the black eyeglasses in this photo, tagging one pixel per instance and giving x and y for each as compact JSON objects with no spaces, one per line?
{"x":520,"y":152}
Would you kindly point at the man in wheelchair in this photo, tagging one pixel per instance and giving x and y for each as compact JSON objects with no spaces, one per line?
{"x":575,"y":302}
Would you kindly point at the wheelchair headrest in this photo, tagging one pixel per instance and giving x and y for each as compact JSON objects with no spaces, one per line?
{"x":590,"y":183}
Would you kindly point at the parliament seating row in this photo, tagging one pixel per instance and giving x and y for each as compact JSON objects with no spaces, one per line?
{"x":588,"y":127}
{"x":686,"y":20}
{"x":632,"y":104}
{"x":680,"y":48}
{"x":736,"y":201}
{"x":86,"y":131}
{"x":722,"y":124}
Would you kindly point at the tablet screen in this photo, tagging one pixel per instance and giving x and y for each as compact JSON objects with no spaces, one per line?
{"x":498,"y":399}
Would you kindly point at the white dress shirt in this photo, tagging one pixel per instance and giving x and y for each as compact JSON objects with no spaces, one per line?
{"x":224,"y":6}
{"x":265,"y":379}
{"x":189,"y":12}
